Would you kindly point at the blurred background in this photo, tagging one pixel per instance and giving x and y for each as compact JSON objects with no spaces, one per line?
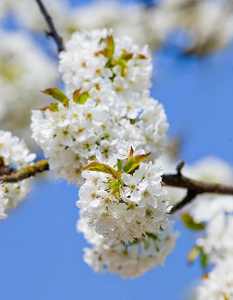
{"x":191,"y":42}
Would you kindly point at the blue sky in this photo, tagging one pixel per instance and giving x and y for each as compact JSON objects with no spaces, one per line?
{"x":40,"y":251}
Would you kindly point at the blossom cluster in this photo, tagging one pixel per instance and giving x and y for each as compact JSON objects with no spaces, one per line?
{"x":218,"y":284}
{"x":125,"y":203}
{"x":14,"y":155}
{"x":127,"y":260}
{"x":99,"y":135}
{"x":107,"y":81}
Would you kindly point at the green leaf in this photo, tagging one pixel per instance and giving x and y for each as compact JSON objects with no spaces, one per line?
{"x":190,"y":223}
{"x":110,"y":63}
{"x":115,"y":187}
{"x":66,"y":103}
{"x":122,"y":61}
{"x":56,"y":94}
{"x":119,"y":165}
{"x":98,"y":167}
{"x":153,"y":236}
{"x":194,"y":253}
{"x":204,"y":259}
{"x":53,"y":107}
{"x":76,"y":95}
{"x":80,"y":98}
{"x":126,"y":55}
{"x":109,"y":49}
{"x":134,"y":162}
{"x":83,"y":97}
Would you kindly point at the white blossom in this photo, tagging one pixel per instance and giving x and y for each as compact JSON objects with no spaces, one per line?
{"x":3,"y":202}
{"x":14,"y":154}
{"x":71,"y":134}
{"x":127,"y":67}
{"x":217,"y":240}
{"x":218,"y":284}
{"x":126,"y":260}
{"x":124,"y":209}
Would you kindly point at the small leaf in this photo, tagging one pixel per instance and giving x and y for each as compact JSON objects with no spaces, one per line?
{"x":115,"y":187}
{"x":53,"y":107}
{"x":141,"y":56}
{"x":205,"y":276}
{"x":56,"y":94}
{"x":122,"y":61}
{"x":110,"y":63}
{"x":190,"y":223}
{"x":134,"y":162}
{"x":126,"y":55}
{"x":153,"y":236}
{"x":109,"y":49}
{"x":83,"y":97}
{"x":76,"y":95}
{"x":80,"y":98}
{"x":66,"y":103}
{"x":204,"y":259}
{"x":98,"y":167}
{"x":119,"y":165}
{"x":193,"y":254}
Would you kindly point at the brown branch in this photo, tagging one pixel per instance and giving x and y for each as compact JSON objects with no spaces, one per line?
{"x":194,"y":187}
{"x":53,"y":32}
{"x":180,"y":167}
{"x":26,"y":172}
{"x":199,"y":187}
{"x":187,"y":199}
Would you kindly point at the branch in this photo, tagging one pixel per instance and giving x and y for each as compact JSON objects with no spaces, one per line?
{"x":194,"y":187}
{"x":53,"y":32}
{"x":187,"y":199}
{"x":26,"y":172}
{"x":199,"y":187}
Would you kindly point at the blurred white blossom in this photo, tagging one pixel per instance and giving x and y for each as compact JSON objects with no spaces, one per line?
{"x":24,"y":71}
{"x":218,"y":284}
{"x":127,"y":260}
{"x":14,"y":154}
{"x":3,"y":202}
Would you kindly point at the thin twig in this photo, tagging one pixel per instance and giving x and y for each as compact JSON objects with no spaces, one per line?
{"x":53,"y":32}
{"x":179,"y":167}
{"x":187,"y":199}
